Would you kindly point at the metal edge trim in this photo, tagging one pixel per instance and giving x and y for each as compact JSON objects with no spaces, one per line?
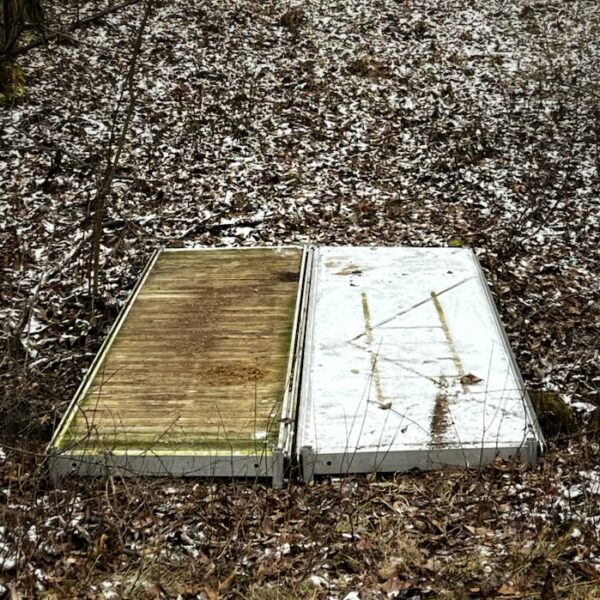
{"x":150,"y":464}
{"x":277,"y":468}
{"x":307,"y":463}
{"x":305,"y":410}
{"x":301,"y":349}
{"x":402,"y":461}
{"x":289,"y":402}
{"x":168,"y":250}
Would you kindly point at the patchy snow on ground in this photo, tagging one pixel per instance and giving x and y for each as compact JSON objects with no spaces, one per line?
{"x":448,"y":122}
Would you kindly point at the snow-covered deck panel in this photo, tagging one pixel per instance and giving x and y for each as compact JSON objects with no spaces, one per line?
{"x":197,"y":371}
{"x":407,"y":365}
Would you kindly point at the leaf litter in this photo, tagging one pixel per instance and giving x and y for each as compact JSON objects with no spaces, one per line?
{"x":354,"y":122}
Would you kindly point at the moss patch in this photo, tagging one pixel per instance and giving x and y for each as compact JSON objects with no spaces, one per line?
{"x":12,"y":82}
{"x":555,"y":416}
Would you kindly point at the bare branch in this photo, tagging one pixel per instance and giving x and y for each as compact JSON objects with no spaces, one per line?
{"x":113,"y":161}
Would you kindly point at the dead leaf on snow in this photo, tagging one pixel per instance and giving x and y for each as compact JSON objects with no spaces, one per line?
{"x":470,"y":379}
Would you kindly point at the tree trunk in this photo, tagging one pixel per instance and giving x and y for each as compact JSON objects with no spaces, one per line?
{"x":15,"y":16}
{"x":12,"y":17}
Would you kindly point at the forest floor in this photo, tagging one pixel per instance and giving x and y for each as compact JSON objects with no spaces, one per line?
{"x":449,"y":122}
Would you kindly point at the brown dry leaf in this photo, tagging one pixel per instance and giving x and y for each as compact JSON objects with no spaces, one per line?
{"x":387,"y":572}
{"x":439,"y":526}
{"x":364,"y":544}
{"x":490,"y":585}
{"x":14,"y":592}
{"x":507,"y":590}
{"x":420,"y":525}
{"x":587,"y":569}
{"x":14,"y":473}
{"x":226,"y":583}
{"x":211,"y":593}
{"x":433,"y":565}
{"x":392,"y":586}
{"x":470,"y":379}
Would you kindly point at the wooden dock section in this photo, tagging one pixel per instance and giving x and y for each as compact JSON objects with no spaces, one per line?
{"x":194,"y":378}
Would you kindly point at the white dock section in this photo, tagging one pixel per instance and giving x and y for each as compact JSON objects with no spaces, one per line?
{"x":407,"y":365}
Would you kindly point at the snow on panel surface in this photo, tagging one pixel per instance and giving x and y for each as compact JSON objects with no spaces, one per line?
{"x":397,"y":341}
